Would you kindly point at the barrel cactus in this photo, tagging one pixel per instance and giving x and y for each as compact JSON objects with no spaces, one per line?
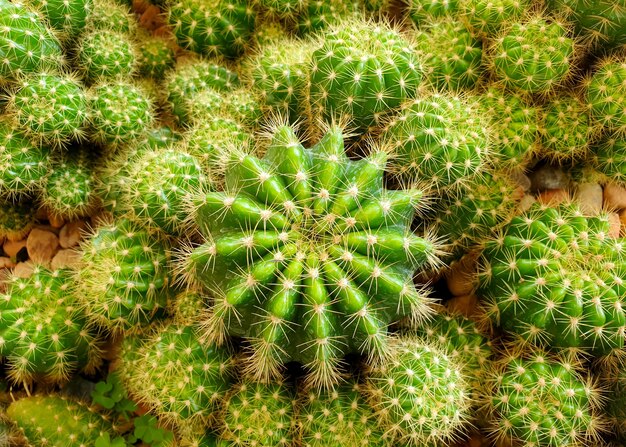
{"x":68,"y":17}
{"x":609,"y":159}
{"x":606,"y":94}
{"x":425,"y":11}
{"x":488,"y":17}
{"x":308,"y":256}
{"x":106,"y":55}
{"x":319,"y":15}
{"x":155,"y":57}
{"x":113,"y":16}
{"x":16,"y":219}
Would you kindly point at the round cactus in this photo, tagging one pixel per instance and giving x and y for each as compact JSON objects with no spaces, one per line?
{"x":105,"y":55}
{"x":606,"y":95}
{"x":123,"y":279}
{"x":191,"y":77}
{"x":282,"y":9}
{"x":120,"y":113}
{"x":451,"y":55}
{"x":43,"y":332}
{"x":309,"y":257}
{"x":23,"y":166}
{"x":113,"y":16}
{"x":421,"y":395}
{"x":220,"y":28}
{"x":240,"y":105}
{"x":258,"y":414}
{"x":322,"y":14}
{"x":614,"y":382}
{"x":338,"y":418}
{"x":609,"y":158}
{"x":425,"y":11}
{"x":566,"y":129}
{"x":16,"y":219}
{"x":533,"y":57}
{"x":175,"y":375}
{"x":58,"y":421}
{"x":52,"y":109}
{"x":344,"y":87}
{"x":27,"y":45}
{"x":438,"y":138}
{"x":553,"y":277}
{"x":489,"y":17}
{"x":543,"y":402}
{"x":268,"y":33}
{"x":68,"y":17}
{"x":155,"y":57}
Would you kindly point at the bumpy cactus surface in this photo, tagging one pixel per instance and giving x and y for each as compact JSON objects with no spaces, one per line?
{"x":105,"y":55}
{"x":609,"y":158}
{"x":111,"y":15}
{"x":423,"y":12}
{"x":58,"y":421}
{"x":16,"y":219}
{"x":322,"y":14}
{"x":155,"y":57}
{"x":66,"y":16}
{"x":282,"y":9}
{"x":309,"y":257}
{"x":43,"y":331}
{"x":240,"y":105}
{"x":606,"y":94}
{"x":489,"y":17}
{"x":554,"y":277}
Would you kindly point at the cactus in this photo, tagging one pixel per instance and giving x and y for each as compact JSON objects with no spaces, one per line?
{"x":123,"y":278}
{"x":155,"y":57}
{"x":553,"y":277}
{"x":161,"y":137}
{"x":515,"y":128}
{"x":344,"y":87}
{"x":609,"y":158}
{"x":16,"y":219}
{"x":541,"y":401}
{"x":308,"y":256}
{"x":175,"y":375}
{"x":322,"y":14}
{"x":105,"y":55}
{"x":27,"y":45}
{"x":23,"y":166}
{"x":566,"y":129}
{"x":68,"y":17}
{"x":221,"y":28}
{"x":52,"y":109}
{"x":421,"y":394}
{"x":193,"y":76}
{"x":69,"y":189}
{"x":55,"y":420}
{"x":258,"y":414}
{"x":338,"y":418}
{"x":43,"y":332}
{"x":427,"y":11}
{"x":614,"y":382}
{"x":120,"y":113}
{"x":112,"y":16}
{"x":534,"y":56}
{"x":439,"y":138}
{"x":489,"y":17}
{"x":286,"y":10}
{"x":606,"y":94}
{"x":452,"y":55}
{"x":268,"y":33}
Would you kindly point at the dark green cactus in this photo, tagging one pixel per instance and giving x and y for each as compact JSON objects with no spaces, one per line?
{"x":16,"y":219}
{"x":68,"y":17}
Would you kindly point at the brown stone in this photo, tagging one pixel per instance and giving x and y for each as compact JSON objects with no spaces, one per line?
{"x":72,"y":233}
{"x":6,"y":263}
{"x":615,"y":224}
{"x":460,"y":278}
{"x":42,"y":246}
{"x":589,"y":196}
{"x":11,"y":248}
{"x":553,"y":196}
{"x":24,"y":269}
{"x":55,"y":221}
{"x":614,"y":197}
{"x":466,"y":305}
{"x":65,"y":258}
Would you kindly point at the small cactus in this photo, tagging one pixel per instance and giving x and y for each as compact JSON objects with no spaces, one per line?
{"x":105,"y":55}
{"x":16,"y":219}
{"x":320,"y":15}
{"x":489,"y":17}
{"x":606,"y":95}
{"x":268,"y":33}
{"x":423,"y":12}
{"x":155,"y":57}
{"x":240,"y":105}
{"x":286,"y":10}
{"x":111,"y":15}
{"x":68,"y":17}
{"x":609,"y":158}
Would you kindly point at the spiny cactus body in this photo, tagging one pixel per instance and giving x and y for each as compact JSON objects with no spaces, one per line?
{"x":423,"y":12}
{"x":106,"y":55}
{"x":322,"y":14}
{"x":16,"y":219}
{"x":606,"y":95}
{"x":489,"y":17}
{"x":113,"y":16}
{"x":308,"y":256}
{"x":240,"y":105}
{"x":155,"y":57}
{"x":68,"y":17}
{"x":286,"y":10}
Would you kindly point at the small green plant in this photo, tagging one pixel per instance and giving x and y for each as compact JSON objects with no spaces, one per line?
{"x":111,"y":395}
{"x":147,"y":430}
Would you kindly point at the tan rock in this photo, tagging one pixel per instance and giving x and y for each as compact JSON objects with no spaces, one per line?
{"x":622,"y":219}
{"x":589,"y":196}
{"x":466,"y":305}
{"x":6,"y":263}
{"x":24,"y":269}
{"x":65,"y":258}
{"x":11,"y":248}
{"x":460,"y":278}
{"x":615,"y":225}
{"x":72,"y":233}
{"x":553,"y":196}
{"x":55,"y":221}
{"x":526,"y":202}
{"x":42,"y":246}
{"x":614,"y":197}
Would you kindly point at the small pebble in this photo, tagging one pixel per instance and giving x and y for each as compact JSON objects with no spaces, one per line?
{"x":42,"y":246}
{"x":6,"y":263}
{"x":71,"y":233}
{"x":520,"y":179}
{"x":614,"y":197}
{"x":549,"y":177}
{"x":12,"y":248}
{"x":526,"y":202}
{"x":55,"y":221}
{"x":589,"y":196}
{"x":553,"y":196}
{"x":24,"y":269}
{"x":65,"y":258}
{"x":466,"y":305}
{"x":615,"y":225}
{"x":460,"y":277}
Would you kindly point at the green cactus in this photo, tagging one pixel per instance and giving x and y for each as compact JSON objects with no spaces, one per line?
{"x":566,"y":129}
{"x":338,"y":418}
{"x":44,"y":335}
{"x":322,"y":14}
{"x":16,"y":219}
{"x":514,"y":125}
{"x":308,"y":256}
{"x":269,"y":32}
{"x":27,"y":45}
{"x":552,"y":277}
{"x":220,"y":28}
{"x":427,"y":11}
{"x":120,"y":113}
{"x":23,"y":166}
{"x":193,"y":76}
{"x":68,"y":17}
{"x":534,"y":56}
{"x":614,"y":382}
{"x":58,"y":421}
{"x":112,"y":16}
{"x":240,"y":105}
{"x":606,"y":94}
{"x":541,"y":401}
{"x":155,"y":56}
{"x":105,"y":55}
{"x":123,"y":279}
{"x":488,"y":18}
{"x":174,"y":374}
{"x":438,"y":138}
{"x":259,"y":414}
{"x":421,"y":394}
{"x":52,"y":109}
{"x":344,"y":87}
{"x":452,"y":55}
{"x":161,"y":137}
{"x":286,"y":10}
{"x":609,"y":159}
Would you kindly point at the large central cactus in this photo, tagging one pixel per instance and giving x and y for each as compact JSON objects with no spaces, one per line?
{"x":309,"y":257}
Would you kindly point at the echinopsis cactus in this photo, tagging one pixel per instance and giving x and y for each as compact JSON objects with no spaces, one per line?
{"x":68,"y":17}
{"x":489,"y":17}
{"x":537,"y":400}
{"x":553,"y":277}
{"x":425,"y":11}
{"x":308,"y":256}
{"x":106,"y":55}
{"x":43,"y":333}
{"x":606,"y":94}
{"x":155,"y":57}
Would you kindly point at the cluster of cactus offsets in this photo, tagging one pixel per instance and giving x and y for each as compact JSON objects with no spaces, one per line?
{"x":361,"y":72}
{"x":542,"y":401}
{"x":553,"y":277}
{"x":44,"y":334}
{"x":308,"y":256}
